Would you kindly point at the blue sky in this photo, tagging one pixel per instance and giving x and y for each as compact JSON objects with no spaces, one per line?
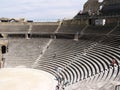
{"x":40,"y":9}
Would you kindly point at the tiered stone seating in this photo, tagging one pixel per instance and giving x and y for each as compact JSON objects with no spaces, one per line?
{"x":92,"y":29}
{"x":71,"y":28}
{"x":66,"y":54}
{"x":112,"y":41}
{"x":24,"y":52}
{"x":14,"y":28}
{"x":43,"y":28}
{"x":116,"y":31}
{"x":111,"y":74}
{"x":86,"y":60}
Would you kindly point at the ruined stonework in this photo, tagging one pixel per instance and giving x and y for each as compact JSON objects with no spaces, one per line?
{"x":91,"y":6}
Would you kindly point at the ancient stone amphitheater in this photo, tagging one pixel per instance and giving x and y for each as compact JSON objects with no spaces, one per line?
{"x":82,"y":53}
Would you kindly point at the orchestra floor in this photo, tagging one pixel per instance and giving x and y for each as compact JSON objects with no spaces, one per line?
{"x":26,"y":79}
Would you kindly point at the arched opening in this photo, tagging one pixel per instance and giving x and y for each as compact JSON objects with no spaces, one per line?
{"x":1,"y":36}
{"x":29,"y":35}
{"x":90,"y":21}
{"x":3,"y":49}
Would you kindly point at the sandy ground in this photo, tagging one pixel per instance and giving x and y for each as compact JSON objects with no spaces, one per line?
{"x":26,"y":79}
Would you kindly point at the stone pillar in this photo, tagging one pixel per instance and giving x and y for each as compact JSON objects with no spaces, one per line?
{"x":1,"y":57}
{"x":3,"y":50}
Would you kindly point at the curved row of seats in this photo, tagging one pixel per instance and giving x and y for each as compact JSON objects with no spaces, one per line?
{"x":71,"y":56}
{"x":87,"y":60}
{"x":24,"y":52}
{"x":43,"y":28}
{"x":26,"y":28}
{"x":71,"y":28}
{"x":66,"y":54}
{"x":116,"y":31}
{"x":64,"y":28}
{"x":110,"y":74}
{"x":107,"y":76}
{"x":17,"y":28}
{"x":39,"y":28}
{"x":63,"y":49}
{"x":97,"y":29}
{"x":113,"y":41}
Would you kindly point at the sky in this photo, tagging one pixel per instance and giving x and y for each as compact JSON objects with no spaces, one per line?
{"x":39,"y":10}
